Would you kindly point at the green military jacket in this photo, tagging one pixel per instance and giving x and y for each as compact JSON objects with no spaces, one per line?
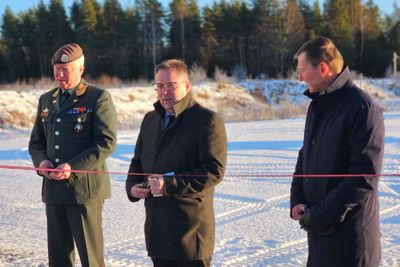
{"x":80,"y":132}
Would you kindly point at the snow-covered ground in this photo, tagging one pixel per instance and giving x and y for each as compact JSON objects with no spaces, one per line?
{"x":253,"y":225}
{"x":241,"y":101}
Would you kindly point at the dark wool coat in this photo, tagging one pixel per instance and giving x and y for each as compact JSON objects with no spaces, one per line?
{"x":54,"y":138}
{"x":344,"y":134}
{"x":181,"y":224}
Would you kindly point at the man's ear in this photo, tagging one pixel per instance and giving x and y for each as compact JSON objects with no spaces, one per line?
{"x":187,"y":86}
{"x":81,"y":69}
{"x":324,"y":69}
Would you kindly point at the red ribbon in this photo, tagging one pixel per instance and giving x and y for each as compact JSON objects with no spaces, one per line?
{"x":13,"y":167}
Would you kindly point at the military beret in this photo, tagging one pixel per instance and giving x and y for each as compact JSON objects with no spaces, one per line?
{"x":67,"y":53}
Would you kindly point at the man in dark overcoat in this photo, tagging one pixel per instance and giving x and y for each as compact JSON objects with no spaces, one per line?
{"x":344,"y":135}
{"x":182,"y":145}
{"x":75,"y":129}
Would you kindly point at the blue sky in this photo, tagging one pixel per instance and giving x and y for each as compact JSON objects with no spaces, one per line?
{"x":20,"y":5}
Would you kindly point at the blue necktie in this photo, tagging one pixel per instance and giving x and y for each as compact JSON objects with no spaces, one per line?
{"x":171,"y":119}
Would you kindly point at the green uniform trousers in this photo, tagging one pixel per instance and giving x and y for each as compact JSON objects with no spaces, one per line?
{"x":81,"y":223}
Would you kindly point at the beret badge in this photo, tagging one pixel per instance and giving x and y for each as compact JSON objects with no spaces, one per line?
{"x":64,"y":58}
{"x":67,"y":53}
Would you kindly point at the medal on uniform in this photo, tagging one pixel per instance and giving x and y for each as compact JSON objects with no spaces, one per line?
{"x":78,"y":127}
{"x":44,"y":114}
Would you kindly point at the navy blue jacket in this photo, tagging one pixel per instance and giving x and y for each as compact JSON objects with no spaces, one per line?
{"x":344,"y":134}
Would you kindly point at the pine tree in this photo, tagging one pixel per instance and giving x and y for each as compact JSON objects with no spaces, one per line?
{"x":152,"y":34}
{"x":244,"y":23}
{"x":193,"y":36}
{"x":58,"y":25}
{"x":218,"y":17}
{"x":12,"y":40}
{"x":224,"y":21}
{"x":112,"y":36}
{"x":293,"y":35}
{"x":42,"y":35}
{"x":88,"y":17}
{"x":130,"y":45}
{"x":86,"y":20}
{"x":313,"y":20}
{"x":185,"y":31}
{"x":4,"y":68}
{"x":275,"y":38}
{"x":179,"y":14}
{"x":209,"y":40}
{"x":340,"y":28}
{"x":259,"y":39}
{"x":27,"y":29}
{"x":55,"y":30}
{"x":318,"y":26}
{"x":374,"y":43}
{"x":393,"y":30}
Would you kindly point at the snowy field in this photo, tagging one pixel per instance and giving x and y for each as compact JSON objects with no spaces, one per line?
{"x":252,"y":215}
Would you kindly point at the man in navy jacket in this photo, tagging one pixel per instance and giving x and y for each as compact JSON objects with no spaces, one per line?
{"x":344,"y":135}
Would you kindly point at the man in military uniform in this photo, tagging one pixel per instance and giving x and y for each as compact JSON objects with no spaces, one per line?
{"x":75,"y":129}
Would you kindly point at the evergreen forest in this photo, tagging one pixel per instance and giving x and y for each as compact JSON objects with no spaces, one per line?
{"x":245,"y":39}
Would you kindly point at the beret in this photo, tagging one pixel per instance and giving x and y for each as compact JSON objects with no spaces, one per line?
{"x":67,"y":53}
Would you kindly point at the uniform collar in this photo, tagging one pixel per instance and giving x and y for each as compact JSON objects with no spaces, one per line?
{"x":80,"y":89}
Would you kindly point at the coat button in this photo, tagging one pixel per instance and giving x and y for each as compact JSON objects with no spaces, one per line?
{"x":313,"y":142}
{"x":58,"y":119}
{"x":56,"y":146}
{"x":57,"y":160}
{"x":57,"y":133}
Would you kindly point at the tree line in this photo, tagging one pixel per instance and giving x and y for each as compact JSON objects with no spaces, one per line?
{"x":255,"y":39}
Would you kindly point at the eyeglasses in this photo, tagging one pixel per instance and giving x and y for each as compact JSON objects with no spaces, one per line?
{"x":169,"y":87}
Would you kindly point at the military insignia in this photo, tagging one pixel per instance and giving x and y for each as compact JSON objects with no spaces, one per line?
{"x":64,"y":58}
{"x":78,"y":127}
{"x":81,"y":89}
{"x":44,"y":114}
{"x":79,"y":110}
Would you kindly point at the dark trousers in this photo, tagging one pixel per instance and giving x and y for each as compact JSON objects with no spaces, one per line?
{"x":81,"y":223}
{"x":173,"y":263}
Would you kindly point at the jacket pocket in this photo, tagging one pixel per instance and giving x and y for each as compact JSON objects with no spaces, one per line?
{"x":92,"y":185}
{"x":47,"y":123}
{"x":81,"y":186}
